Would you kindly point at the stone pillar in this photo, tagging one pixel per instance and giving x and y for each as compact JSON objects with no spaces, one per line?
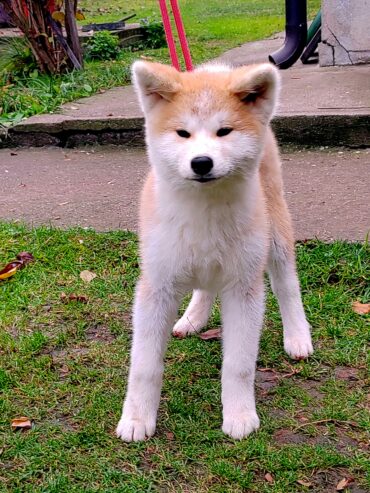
{"x":345,"y":32}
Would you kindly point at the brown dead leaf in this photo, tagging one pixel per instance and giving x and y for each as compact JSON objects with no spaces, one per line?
{"x":307,"y":484}
{"x":80,"y":298}
{"x":361,"y":308}
{"x":11,"y":268}
{"x":21,"y":424}
{"x":210,"y":334}
{"x":170,"y":435}
{"x":269,"y":478}
{"x":343,"y":483}
{"x":25,"y":258}
{"x":87,"y":275}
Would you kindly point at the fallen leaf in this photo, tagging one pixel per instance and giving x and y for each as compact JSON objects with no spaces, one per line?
{"x":269,"y":478}
{"x":9,"y":270}
{"x":170,"y":435}
{"x":87,"y":275}
{"x":73,"y":297}
{"x":21,"y":424}
{"x":25,"y":258}
{"x":210,"y":334}
{"x":307,"y":484}
{"x":78,"y":297}
{"x":343,"y":483}
{"x":361,"y":308}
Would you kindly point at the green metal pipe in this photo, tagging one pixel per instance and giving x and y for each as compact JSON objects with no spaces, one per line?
{"x":315,"y":24}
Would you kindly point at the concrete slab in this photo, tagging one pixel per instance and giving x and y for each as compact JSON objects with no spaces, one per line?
{"x":327,"y":191}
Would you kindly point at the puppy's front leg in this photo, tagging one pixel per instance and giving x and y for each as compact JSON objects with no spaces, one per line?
{"x":242,"y":310}
{"x":154,"y":313}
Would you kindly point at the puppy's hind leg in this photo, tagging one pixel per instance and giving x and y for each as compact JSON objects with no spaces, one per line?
{"x":196,"y":314}
{"x":285,"y":285}
{"x":282,"y":266}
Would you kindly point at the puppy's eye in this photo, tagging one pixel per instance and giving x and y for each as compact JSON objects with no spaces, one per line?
{"x":222,"y":132}
{"x":183,"y":133}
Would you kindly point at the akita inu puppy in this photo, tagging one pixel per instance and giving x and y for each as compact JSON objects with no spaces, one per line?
{"x":213,"y":218}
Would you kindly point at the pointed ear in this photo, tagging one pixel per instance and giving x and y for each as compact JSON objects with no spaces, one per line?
{"x":154,"y":82}
{"x":258,"y":87}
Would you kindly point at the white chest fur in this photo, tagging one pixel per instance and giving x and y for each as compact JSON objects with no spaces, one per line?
{"x":206,"y":237}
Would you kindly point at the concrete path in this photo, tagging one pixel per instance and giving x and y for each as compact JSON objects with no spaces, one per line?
{"x":327,"y":190}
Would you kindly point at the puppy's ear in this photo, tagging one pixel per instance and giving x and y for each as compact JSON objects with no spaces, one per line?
{"x":154,"y":82}
{"x":258,"y":87}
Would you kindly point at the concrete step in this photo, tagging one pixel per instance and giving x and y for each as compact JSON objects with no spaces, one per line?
{"x":318,"y":106}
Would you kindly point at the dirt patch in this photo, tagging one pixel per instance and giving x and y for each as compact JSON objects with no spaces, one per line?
{"x":146,"y":459}
{"x":312,"y":389}
{"x":60,"y":355}
{"x":266,"y":380}
{"x":99,"y":333}
{"x":327,"y":481}
{"x":346,"y":373}
{"x":127,"y":319}
{"x":278,"y":414}
{"x":62,"y":421}
{"x":285,"y":436}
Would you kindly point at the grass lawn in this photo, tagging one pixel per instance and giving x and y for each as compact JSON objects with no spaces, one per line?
{"x":64,"y":365}
{"x":212,"y":28}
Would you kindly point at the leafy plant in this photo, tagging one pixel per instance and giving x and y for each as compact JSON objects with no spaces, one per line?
{"x":39,"y":93}
{"x":154,"y":36}
{"x":102,"y":46}
{"x":16,"y":57}
{"x":41,"y":23}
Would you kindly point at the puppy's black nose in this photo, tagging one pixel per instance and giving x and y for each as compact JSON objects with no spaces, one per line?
{"x":201,"y":165}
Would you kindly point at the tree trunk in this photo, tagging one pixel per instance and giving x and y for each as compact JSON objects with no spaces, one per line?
{"x":54,"y":53}
{"x":70,"y":7}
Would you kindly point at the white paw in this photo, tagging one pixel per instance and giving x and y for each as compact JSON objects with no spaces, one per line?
{"x":135,"y":430}
{"x":239,"y":426}
{"x":184,"y":327}
{"x":298,"y":347}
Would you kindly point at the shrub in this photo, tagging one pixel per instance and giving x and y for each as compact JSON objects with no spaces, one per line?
{"x":102,"y":46}
{"x":16,"y":57}
{"x":154,"y":36}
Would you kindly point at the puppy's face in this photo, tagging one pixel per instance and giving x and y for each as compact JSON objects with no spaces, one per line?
{"x":207,"y":125}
